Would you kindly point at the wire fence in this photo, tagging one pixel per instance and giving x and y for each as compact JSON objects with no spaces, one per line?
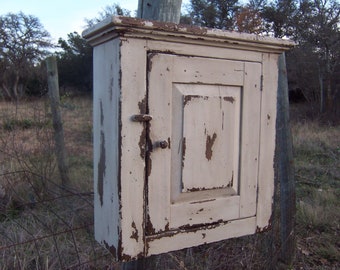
{"x":44,"y":225}
{"x":57,"y":233}
{"x":50,"y":232}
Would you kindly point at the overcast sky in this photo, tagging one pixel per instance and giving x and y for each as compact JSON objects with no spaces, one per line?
{"x":60,"y":17}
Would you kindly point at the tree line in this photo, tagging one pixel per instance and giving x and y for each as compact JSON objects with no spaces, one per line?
{"x":313,"y":65}
{"x":24,"y":44}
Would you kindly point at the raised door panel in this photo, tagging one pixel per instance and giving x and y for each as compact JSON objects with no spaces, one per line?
{"x":197,"y":106}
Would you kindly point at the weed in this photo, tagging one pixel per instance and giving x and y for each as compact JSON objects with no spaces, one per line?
{"x":12,"y":124}
{"x":317,"y":166}
{"x":317,"y":212}
{"x":329,"y":252}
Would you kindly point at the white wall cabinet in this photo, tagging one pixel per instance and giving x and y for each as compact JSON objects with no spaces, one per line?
{"x":184,"y":134}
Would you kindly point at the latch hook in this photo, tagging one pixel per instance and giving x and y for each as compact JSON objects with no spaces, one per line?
{"x":141,"y":118}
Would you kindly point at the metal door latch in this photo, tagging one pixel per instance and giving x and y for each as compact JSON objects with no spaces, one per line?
{"x":141,"y":118}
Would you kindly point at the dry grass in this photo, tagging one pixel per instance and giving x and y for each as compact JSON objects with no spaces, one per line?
{"x":44,"y":227}
{"x":317,"y":166}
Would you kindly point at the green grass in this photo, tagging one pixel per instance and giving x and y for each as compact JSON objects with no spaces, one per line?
{"x":317,"y":174}
{"x":12,"y":124}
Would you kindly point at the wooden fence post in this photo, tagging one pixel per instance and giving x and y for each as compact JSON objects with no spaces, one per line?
{"x":284,"y":170}
{"x":160,"y":10}
{"x":53,"y":92}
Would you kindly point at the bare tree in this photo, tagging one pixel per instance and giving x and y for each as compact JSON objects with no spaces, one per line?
{"x":317,"y":32}
{"x":114,"y":9}
{"x":23,"y":43}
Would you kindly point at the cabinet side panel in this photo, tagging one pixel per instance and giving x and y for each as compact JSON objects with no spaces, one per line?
{"x":106,"y":96}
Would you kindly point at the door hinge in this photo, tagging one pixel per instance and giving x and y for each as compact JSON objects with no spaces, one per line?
{"x":261,"y":83}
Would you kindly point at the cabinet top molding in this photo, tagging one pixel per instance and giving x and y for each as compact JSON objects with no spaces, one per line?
{"x":118,"y":26}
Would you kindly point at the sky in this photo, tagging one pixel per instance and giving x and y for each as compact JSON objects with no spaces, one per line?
{"x":61,"y":17}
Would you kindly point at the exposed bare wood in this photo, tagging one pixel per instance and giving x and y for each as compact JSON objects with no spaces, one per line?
{"x":160,"y":10}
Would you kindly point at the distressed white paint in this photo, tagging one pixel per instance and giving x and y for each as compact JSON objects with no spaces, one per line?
{"x":202,"y":99}
{"x":106,"y":118}
{"x":208,"y":234}
{"x":110,"y":27}
{"x":211,"y":129}
{"x":194,"y":83}
{"x":267,"y":140}
{"x":249,"y":153}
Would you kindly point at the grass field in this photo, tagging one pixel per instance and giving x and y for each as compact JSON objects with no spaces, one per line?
{"x":317,"y":175}
{"x":42,"y":226}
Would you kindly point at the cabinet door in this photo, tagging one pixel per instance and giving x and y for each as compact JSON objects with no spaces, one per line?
{"x":203,"y":141}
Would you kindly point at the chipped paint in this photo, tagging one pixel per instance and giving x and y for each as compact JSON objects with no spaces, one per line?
{"x":149,"y":229}
{"x":141,"y":143}
{"x":118,"y":26}
{"x":268,"y":119}
{"x":101,"y":168}
{"x":195,"y":189}
{"x":188,"y":228}
{"x":184,"y":146}
{"x":101,"y":113}
{"x":111,"y":84}
{"x":231,"y":182}
{"x":202,"y":226}
{"x":203,"y":201}
{"x":187,"y":98}
{"x":151,"y":55}
{"x":125,"y":258}
{"x":122,"y":256}
{"x":163,"y":26}
{"x":264,"y":229}
{"x":134,"y":234}
{"x":148,"y":150}
{"x":209,"y":145}
{"x":142,"y":106}
{"x":169,"y":143}
{"x":229,"y":99}
{"x":148,"y":165}
{"x":199,"y":211}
